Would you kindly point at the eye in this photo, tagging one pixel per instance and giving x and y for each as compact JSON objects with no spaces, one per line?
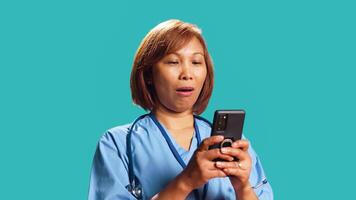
{"x":196,"y":63}
{"x":172,"y":62}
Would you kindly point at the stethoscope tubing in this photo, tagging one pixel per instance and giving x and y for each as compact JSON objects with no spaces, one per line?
{"x":134,"y":185}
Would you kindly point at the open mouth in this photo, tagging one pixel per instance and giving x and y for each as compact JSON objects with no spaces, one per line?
{"x":185,"y":91}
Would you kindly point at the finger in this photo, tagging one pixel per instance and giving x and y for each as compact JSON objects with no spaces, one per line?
{"x":209,"y":165}
{"x":222,"y":165}
{"x":242,"y":144}
{"x":207,"y":142}
{"x":233,"y":172}
{"x":216,"y":153}
{"x":237,"y":153}
{"x":217,"y":173}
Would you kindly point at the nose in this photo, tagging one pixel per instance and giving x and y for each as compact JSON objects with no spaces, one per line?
{"x":186,"y":73}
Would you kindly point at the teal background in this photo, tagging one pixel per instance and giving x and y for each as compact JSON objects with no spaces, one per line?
{"x":64,"y":80}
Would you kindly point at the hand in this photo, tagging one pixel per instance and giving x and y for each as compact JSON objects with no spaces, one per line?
{"x":201,"y":166}
{"x":238,"y":171}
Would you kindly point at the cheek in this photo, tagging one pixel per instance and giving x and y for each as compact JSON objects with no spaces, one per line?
{"x":160,"y":85}
{"x":163,"y":81}
{"x":201,"y":76}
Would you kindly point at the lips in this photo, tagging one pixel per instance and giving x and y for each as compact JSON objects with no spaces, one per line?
{"x":185,"y":91}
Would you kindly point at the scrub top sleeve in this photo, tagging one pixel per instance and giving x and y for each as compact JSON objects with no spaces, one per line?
{"x":108,"y":174}
{"x":263,"y":191}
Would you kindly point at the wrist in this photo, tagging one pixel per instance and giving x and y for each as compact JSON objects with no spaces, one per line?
{"x":183,"y":184}
{"x":245,"y":191}
{"x":244,"y":188}
{"x":178,"y":189}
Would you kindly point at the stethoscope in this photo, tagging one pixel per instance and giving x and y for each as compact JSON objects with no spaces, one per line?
{"x":134,"y":187}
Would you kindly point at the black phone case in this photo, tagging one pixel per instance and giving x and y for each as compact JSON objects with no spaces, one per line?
{"x":233,"y":127}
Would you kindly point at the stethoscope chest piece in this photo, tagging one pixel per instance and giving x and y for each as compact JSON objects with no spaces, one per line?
{"x":135,"y":190}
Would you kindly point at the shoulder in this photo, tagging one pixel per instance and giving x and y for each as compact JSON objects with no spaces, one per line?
{"x":118,"y":131}
{"x":114,"y":138}
{"x":117,"y":135}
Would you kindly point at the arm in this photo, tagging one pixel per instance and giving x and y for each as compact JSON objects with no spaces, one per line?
{"x":199,"y":170}
{"x":108,"y":175}
{"x":263,"y":189}
{"x":177,"y":189}
{"x":246,"y":173}
{"x":245,"y":193}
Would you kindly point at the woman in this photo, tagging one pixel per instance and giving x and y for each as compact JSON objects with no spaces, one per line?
{"x":165,"y":154}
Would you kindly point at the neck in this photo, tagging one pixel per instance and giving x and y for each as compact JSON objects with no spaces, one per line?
{"x":174,"y":120}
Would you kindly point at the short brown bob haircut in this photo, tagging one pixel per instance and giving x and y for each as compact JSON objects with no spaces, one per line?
{"x":167,"y":37}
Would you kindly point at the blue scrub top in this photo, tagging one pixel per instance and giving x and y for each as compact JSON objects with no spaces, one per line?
{"x":155,"y":165}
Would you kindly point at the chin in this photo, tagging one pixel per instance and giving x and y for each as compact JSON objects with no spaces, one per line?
{"x":183,"y":106}
{"x":180,"y":109}
{"x":179,"y":106}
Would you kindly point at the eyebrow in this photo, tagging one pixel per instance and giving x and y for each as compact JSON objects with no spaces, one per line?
{"x":192,"y":54}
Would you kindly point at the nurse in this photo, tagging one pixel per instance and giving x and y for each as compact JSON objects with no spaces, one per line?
{"x":165,"y":153}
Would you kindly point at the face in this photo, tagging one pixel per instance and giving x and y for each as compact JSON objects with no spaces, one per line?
{"x":179,"y":77}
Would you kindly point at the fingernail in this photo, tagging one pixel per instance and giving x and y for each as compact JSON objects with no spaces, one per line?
{"x":218,"y":164}
{"x":224,"y":150}
{"x":234,"y":144}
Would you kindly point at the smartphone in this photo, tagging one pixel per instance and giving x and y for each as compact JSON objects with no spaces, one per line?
{"x":228,"y":123}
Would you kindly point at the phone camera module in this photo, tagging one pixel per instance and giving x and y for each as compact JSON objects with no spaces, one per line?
{"x":221,"y":126}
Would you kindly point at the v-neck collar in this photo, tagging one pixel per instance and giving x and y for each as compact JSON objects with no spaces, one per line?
{"x":180,"y":149}
{"x":172,"y":143}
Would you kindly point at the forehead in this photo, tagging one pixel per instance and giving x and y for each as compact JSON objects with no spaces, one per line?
{"x":192,"y":47}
